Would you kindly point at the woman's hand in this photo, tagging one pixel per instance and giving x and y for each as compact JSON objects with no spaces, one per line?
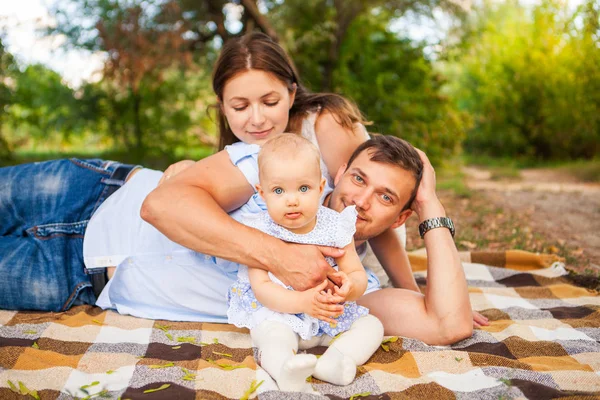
{"x":174,"y":169}
{"x":316,"y":305}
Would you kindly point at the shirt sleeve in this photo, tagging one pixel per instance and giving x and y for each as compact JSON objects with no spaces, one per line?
{"x":245,"y":157}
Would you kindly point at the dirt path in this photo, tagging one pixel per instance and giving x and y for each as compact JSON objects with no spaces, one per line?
{"x":553,"y":204}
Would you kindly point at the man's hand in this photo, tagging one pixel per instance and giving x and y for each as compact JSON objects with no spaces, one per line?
{"x":315,"y":304}
{"x":479,"y":320}
{"x":304,"y":266}
{"x":174,"y":169}
{"x":426,"y":203}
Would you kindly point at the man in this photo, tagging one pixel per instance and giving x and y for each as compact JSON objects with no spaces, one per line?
{"x":380,"y":179}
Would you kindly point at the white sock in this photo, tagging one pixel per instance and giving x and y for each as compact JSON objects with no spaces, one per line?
{"x":354,"y":347}
{"x":277,"y":345}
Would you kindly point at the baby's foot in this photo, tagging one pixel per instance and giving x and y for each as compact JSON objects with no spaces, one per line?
{"x":294,"y":373}
{"x":336,"y":368}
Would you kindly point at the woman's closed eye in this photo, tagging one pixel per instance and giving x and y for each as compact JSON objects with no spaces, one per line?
{"x":271,"y":103}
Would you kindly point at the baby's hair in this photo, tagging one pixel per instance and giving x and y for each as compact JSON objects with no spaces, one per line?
{"x":286,"y":146}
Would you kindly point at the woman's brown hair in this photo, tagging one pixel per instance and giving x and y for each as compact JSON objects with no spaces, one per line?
{"x":257,"y":51}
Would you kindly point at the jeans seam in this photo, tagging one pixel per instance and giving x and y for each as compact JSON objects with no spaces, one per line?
{"x":74,"y":294}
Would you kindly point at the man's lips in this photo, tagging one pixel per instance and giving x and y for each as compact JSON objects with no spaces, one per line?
{"x":294,"y":215}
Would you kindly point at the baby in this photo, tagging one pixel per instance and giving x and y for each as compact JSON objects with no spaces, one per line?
{"x":282,"y":320}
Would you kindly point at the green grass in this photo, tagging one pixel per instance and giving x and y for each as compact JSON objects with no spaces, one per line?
{"x":450,"y":177}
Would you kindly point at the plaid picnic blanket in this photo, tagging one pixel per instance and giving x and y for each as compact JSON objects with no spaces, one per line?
{"x":543,"y":343}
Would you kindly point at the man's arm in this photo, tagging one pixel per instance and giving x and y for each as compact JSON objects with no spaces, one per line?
{"x":191,"y":209}
{"x":393,"y":258}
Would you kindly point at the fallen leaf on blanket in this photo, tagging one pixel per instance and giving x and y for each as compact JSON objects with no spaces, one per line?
{"x":163,"y":328}
{"x":507,"y":382}
{"x":97,"y":322}
{"x":357,"y":395}
{"x":205,"y":344}
{"x":252,"y":389}
{"x":138,"y":357}
{"x":35,"y":345}
{"x":13,"y":387}
{"x":392,"y":339}
{"x":30,"y":332}
{"x":227,"y":367}
{"x":110,"y":371}
{"x":25,"y":391}
{"x":188,"y":375}
{"x":163,"y":387}
{"x":309,"y":379}
{"x":176,"y":347}
{"x":167,"y":365}
{"x":385,"y":347}
{"x":169,"y":336}
{"x":223,"y":354}
{"x":216,"y":341}
{"x":458,"y":359}
{"x":186,"y":339}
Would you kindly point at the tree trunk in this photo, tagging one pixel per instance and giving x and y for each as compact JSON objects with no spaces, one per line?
{"x":260,"y":20}
{"x":137,"y":126}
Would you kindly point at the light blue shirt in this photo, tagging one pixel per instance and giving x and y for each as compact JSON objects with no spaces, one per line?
{"x":157,"y":278}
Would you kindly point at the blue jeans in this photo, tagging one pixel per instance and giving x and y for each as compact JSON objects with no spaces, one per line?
{"x":44,"y":211}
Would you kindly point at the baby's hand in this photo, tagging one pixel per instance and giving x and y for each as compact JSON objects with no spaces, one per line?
{"x":317,"y":306}
{"x":341,"y":292}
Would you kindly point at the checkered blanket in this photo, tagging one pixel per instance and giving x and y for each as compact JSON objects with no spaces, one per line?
{"x":543,"y":342}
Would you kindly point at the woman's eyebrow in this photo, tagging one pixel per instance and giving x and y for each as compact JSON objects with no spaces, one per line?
{"x":272,"y":92}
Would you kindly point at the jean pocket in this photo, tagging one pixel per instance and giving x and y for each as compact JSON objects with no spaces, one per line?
{"x":48,"y":231}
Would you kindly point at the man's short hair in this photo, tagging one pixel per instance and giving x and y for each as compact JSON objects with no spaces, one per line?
{"x":394,"y":151}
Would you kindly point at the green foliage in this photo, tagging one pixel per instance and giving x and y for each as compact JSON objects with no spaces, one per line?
{"x":530,"y":78}
{"x":348,"y":49}
{"x":7,"y":71}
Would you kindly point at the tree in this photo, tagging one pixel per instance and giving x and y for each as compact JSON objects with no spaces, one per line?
{"x":8,"y":68}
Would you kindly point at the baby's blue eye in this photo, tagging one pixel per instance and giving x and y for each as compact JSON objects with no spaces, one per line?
{"x":304,"y":188}
{"x":278,"y":190}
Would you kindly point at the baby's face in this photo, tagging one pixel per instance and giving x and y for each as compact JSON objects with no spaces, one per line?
{"x":292,"y":191}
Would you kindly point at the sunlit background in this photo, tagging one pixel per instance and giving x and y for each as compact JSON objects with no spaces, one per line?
{"x":464,"y":81}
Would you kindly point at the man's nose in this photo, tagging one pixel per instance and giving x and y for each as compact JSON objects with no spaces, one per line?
{"x":257,"y":118}
{"x":361,"y":200}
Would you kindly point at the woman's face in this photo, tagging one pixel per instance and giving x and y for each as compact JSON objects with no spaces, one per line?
{"x":256,"y":105}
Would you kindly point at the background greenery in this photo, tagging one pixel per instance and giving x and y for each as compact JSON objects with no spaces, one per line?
{"x":505,"y":80}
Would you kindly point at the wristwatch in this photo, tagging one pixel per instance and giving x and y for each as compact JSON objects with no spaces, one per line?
{"x":437,"y":222}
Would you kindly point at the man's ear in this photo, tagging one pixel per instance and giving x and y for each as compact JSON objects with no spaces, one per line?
{"x":401,"y":218}
{"x":259,"y":190}
{"x":293,"y":94}
{"x":339,"y":174}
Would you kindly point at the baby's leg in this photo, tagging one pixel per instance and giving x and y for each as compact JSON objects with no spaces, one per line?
{"x":350,"y":349}
{"x":277,"y":347}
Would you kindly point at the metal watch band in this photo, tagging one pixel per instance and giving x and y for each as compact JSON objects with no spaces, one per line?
{"x":437,"y":222}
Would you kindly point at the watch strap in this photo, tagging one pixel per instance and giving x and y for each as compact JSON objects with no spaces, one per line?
{"x":437,"y":222}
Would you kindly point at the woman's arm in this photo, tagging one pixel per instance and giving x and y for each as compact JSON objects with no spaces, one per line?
{"x":393,"y":258}
{"x":190,"y":209}
{"x":336,"y":143}
{"x":277,"y":298}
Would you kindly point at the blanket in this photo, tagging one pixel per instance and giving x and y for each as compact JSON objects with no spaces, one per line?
{"x":543,"y":342}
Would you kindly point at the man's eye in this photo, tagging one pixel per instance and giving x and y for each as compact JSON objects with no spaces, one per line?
{"x":304,"y":188}
{"x":386,"y":198}
{"x":278,"y":190}
{"x":358,"y":179}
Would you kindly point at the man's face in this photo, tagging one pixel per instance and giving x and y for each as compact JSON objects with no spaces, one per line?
{"x":378,"y":190}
